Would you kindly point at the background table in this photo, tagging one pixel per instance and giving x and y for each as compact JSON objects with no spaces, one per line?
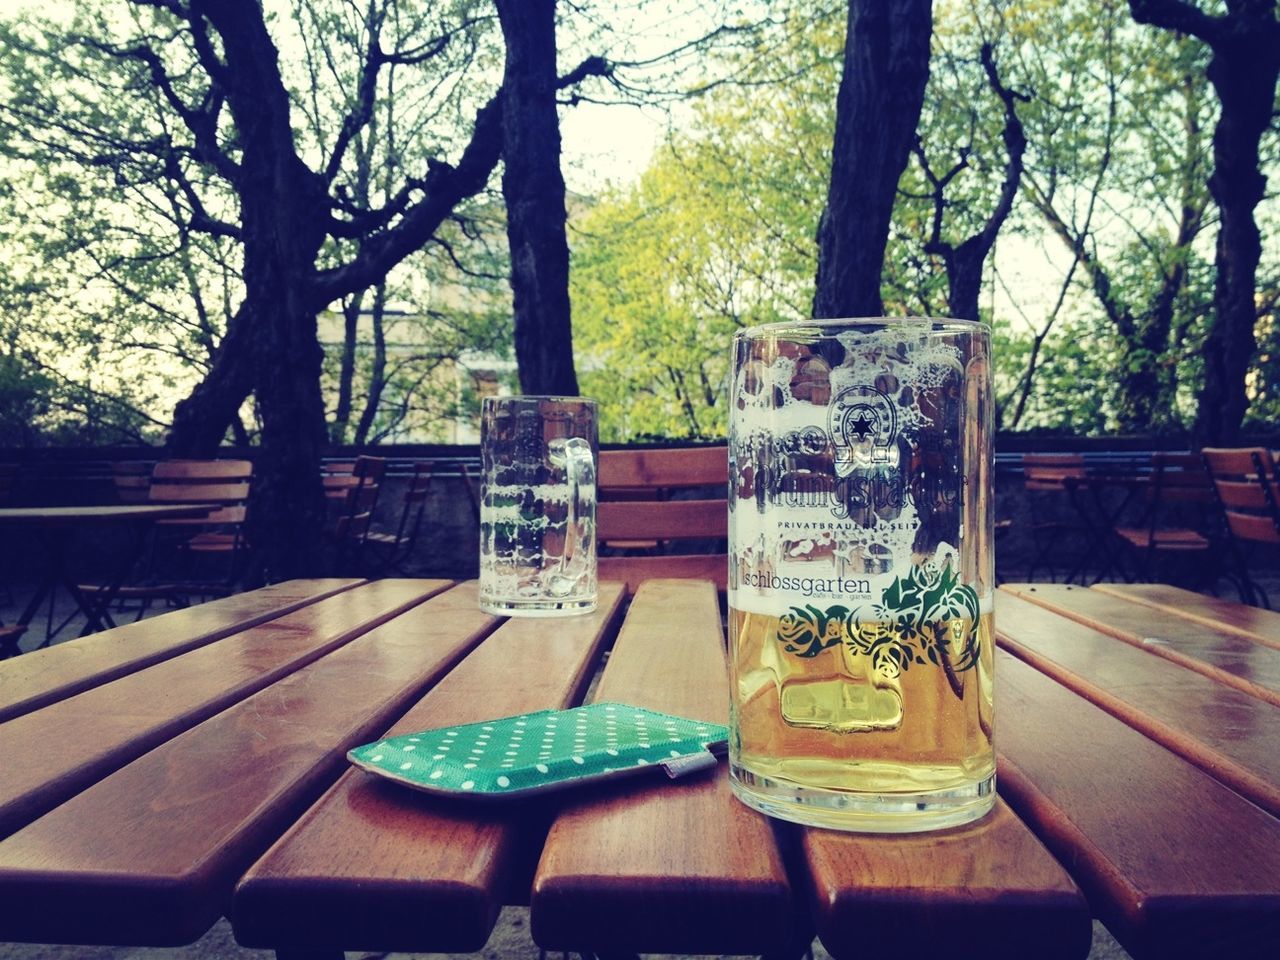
{"x":162,"y":774}
{"x":53,"y":529}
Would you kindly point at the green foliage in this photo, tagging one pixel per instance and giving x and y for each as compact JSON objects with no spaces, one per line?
{"x":114,"y":295}
{"x":717,"y":235}
{"x":1099,"y":292}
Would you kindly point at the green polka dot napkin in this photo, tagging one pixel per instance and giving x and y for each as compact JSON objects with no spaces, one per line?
{"x":543,"y":751}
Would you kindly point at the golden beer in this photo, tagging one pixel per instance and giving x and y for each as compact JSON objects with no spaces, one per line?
{"x":839,"y":722}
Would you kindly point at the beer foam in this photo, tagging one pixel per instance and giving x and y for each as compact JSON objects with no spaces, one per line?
{"x":795,"y":529}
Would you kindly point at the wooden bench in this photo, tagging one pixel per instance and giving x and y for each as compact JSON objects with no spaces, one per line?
{"x":642,"y":518}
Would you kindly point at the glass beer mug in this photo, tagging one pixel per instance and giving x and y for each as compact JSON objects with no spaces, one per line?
{"x":538,"y":506}
{"x":861,"y":573}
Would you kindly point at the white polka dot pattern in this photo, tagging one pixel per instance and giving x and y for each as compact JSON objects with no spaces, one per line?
{"x":539,"y":751}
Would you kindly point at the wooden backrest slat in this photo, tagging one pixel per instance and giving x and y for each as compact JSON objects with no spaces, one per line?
{"x":625,"y":867}
{"x":634,"y":571}
{"x":1050,"y":471}
{"x":1054,"y":484}
{"x":53,"y":752}
{"x":905,"y":895}
{"x":202,"y":470}
{"x":641,"y":508}
{"x":221,"y":792}
{"x":1222,"y":655}
{"x":132,"y":478}
{"x":55,"y":673}
{"x":1173,"y":862}
{"x":422,"y":857}
{"x":1262,"y":626}
{"x":667,"y":520}
{"x":199,"y":492}
{"x":1242,"y":495}
{"x":682,"y":467}
{"x":1179,"y":708}
{"x":220,"y":516}
{"x":1247,"y":486}
{"x":1234,"y":461}
{"x":1181,"y":478}
{"x":1250,"y":527}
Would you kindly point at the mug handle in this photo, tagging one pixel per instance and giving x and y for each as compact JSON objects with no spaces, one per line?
{"x":581,"y":469}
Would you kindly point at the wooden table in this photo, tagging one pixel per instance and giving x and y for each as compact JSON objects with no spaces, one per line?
{"x":54,"y":529}
{"x":163,"y":774}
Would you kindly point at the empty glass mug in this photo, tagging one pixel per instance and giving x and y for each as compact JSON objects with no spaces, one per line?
{"x":861,"y":573}
{"x":538,"y":506}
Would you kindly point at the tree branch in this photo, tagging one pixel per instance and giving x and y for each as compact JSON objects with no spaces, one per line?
{"x":1015,"y":144}
{"x":445,"y":187}
{"x":359,"y":116}
{"x":1180,"y":16}
{"x":201,"y":121}
{"x":590,"y":67}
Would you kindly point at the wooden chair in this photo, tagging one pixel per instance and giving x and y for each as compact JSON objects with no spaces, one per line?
{"x":1050,"y":481}
{"x":1244,"y":480}
{"x":642,"y":539}
{"x":390,"y":550}
{"x":356,"y":495}
{"x":224,"y":484}
{"x":199,"y":557}
{"x":1177,"y":482}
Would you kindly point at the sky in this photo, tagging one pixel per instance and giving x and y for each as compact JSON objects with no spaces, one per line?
{"x":612,"y":144}
{"x":608,"y":145}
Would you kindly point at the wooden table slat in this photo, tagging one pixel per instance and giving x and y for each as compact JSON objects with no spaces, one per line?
{"x":1224,"y":655}
{"x":1255,"y":623}
{"x":53,"y":752}
{"x":987,"y":891}
{"x":219,"y":794}
{"x":1175,"y":863}
{"x":665,"y":867}
{"x":1229,"y":734}
{"x":55,"y":673}
{"x":374,"y":866}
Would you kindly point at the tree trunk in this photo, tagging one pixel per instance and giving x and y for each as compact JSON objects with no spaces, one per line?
{"x":378,"y":372}
{"x":965,"y":264}
{"x":964,"y":279}
{"x":1243,"y":71}
{"x":1141,"y":393}
{"x":533,"y":188}
{"x":886,"y":67}
{"x":1244,"y":68}
{"x":283,"y":206}
{"x":286,"y":215}
{"x":287,"y":513}
{"x":347,"y":369}
{"x":201,"y":419}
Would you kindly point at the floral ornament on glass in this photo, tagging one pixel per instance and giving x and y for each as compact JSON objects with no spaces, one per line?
{"x":928,"y":616}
